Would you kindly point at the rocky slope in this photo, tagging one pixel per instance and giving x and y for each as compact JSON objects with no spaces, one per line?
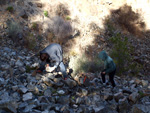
{"x":20,"y":92}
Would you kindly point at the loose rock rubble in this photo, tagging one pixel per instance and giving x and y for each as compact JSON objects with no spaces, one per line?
{"x":49,"y":93}
{"x":20,"y":92}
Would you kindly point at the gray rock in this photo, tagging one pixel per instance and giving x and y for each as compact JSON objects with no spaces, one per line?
{"x":16,"y":96}
{"x":47,"y":92}
{"x":5,"y":96}
{"x":50,"y":75}
{"x":134,"y":96}
{"x":23,"y":105}
{"x":8,"y":105}
{"x":78,"y":100}
{"x":139,"y":108}
{"x":126,"y":90}
{"x":118,"y":96}
{"x":23,"y":89}
{"x":98,"y":109}
{"x":19,"y":63}
{"x":52,"y":111}
{"x":144,"y":83}
{"x":48,"y":81}
{"x":137,"y":81}
{"x":123,"y":105}
{"x":108,"y":96}
{"x":14,"y":88}
{"x":96,"y":98}
{"x":57,"y":80}
{"x":35,"y":65}
{"x":61,"y":92}
{"x":145,"y":100}
{"x":113,"y":104}
{"x":59,"y":84}
{"x":29,"y":108}
{"x":27,"y":96}
{"x":2,"y":81}
{"x":13,"y":54}
{"x":84,"y":92}
{"x":12,"y":62}
{"x":22,"y":69}
{"x":63,"y":100}
{"x":5,"y":67}
{"x":46,"y":111}
{"x":7,"y":49}
{"x":71,"y":83}
{"x":132,"y":81}
{"x":20,"y":3}
{"x":88,"y":101}
{"x":23,"y":14}
{"x":39,"y":5}
{"x":103,"y":109}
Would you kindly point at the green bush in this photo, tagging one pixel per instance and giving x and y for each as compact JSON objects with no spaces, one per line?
{"x":46,"y":13}
{"x":121,"y":53}
{"x":85,"y":65}
{"x":10,"y":9}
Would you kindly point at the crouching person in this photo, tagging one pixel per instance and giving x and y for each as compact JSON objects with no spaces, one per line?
{"x":52,"y":54}
{"x":109,"y":68}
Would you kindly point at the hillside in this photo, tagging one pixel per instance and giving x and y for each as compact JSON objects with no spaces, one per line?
{"x":83,"y":29}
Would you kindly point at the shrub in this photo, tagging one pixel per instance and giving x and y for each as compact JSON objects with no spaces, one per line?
{"x":46,"y":13}
{"x":14,"y":29}
{"x":84,"y":65}
{"x":61,"y":29}
{"x":121,"y":53}
{"x":34,"y":26}
{"x":30,"y":41}
{"x":10,"y":9}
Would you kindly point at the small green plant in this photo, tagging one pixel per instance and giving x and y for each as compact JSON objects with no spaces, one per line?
{"x":141,"y":94}
{"x":68,"y":18}
{"x":28,"y":69}
{"x":46,"y":13}
{"x":34,"y":26}
{"x":10,"y":9}
{"x":73,"y":98}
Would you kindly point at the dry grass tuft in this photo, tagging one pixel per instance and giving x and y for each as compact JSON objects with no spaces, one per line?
{"x":61,"y":29}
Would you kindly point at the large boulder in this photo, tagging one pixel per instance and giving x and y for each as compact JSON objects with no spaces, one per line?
{"x":71,"y":83}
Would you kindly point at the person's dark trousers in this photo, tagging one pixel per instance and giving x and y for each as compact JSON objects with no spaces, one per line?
{"x":111,"y":77}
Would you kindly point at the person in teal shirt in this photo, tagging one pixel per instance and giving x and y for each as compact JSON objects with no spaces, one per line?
{"x":109,"y":67}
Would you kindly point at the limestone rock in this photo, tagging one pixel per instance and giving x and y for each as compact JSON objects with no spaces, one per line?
{"x":27,"y":96}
